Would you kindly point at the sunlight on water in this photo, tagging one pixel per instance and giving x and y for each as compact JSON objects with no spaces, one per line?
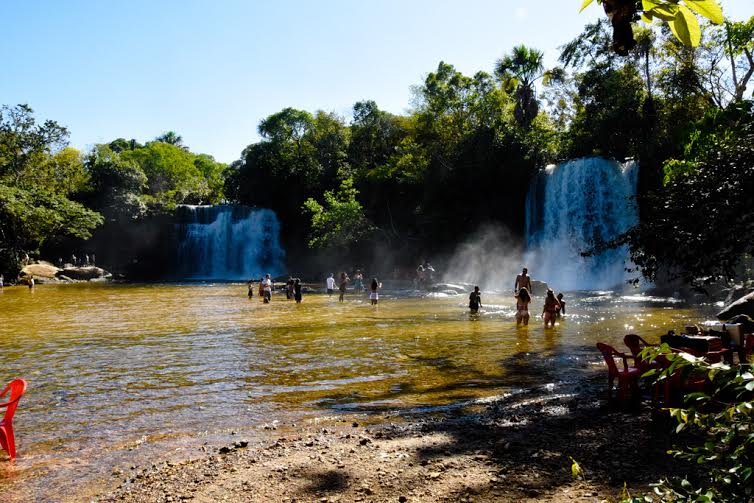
{"x":111,"y":365}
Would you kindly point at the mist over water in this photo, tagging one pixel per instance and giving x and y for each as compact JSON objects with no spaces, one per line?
{"x":490,"y":258}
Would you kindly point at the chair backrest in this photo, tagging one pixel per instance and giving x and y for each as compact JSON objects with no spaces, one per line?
{"x":607,"y":352}
{"x":17,"y":388}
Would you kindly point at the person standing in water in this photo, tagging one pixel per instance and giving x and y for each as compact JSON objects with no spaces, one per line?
{"x":267,"y":285}
{"x":297,"y":290}
{"x":344,"y":279}
{"x":250,"y":284}
{"x":523,"y":280}
{"x":551,"y":308}
{"x":475,"y":300}
{"x":561,"y":311}
{"x":522,"y":306}
{"x":330,"y":284}
{"x":31,"y":281}
{"x":373,"y":295}
{"x":2,"y":281}
{"x":358,"y":282}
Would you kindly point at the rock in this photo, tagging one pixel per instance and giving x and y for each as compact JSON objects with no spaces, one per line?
{"x":40,"y":270}
{"x":540,"y":287}
{"x":224,"y":450}
{"x":86,"y":273}
{"x":744,"y":305}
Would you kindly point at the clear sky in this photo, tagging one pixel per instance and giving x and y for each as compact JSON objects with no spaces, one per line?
{"x":211,"y":70}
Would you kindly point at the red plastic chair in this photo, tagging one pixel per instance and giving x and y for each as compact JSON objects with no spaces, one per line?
{"x":17,"y":389}
{"x":636,"y":344}
{"x":628,"y":377}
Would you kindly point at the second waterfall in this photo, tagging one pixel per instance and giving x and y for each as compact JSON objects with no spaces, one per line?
{"x":228,"y":243}
{"x":569,"y":207}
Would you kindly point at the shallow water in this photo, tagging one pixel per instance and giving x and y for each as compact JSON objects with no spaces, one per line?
{"x":118,"y":372}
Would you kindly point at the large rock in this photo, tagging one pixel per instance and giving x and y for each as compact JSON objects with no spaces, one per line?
{"x":84,"y":273}
{"x":744,"y":305}
{"x":40,"y":270}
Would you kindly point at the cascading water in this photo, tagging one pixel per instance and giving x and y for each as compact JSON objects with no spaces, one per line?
{"x":228,"y":242}
{"x":569,"y":207}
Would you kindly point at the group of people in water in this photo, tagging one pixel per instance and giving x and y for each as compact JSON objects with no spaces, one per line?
{"x":294,"y":287}
{"x":358,"y":286}
{"x":554,"y":306}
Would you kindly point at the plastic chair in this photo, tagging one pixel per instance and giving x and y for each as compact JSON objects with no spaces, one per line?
{"x":17,"y":389}
{"x":636,"y":344}
{"x":628,"y":385}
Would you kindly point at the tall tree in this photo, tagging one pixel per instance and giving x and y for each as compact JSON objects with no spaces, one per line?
{"x":519,"y":71}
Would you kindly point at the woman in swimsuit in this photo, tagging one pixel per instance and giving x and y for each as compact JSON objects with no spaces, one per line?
{"x":522,"y":306}
{"x":551,"y":308}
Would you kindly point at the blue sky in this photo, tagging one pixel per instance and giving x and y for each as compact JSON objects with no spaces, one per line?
{"x":212,"y":70}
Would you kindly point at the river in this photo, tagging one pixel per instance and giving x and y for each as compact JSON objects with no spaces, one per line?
{"x":119,"y":374}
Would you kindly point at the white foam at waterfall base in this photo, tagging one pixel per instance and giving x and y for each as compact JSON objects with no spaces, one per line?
{"x":229,"y":243}
{"x":569,"y":207}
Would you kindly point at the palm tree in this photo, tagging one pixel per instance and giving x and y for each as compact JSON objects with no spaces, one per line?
{"x":519,"y":71}
{"x":172,"y":138}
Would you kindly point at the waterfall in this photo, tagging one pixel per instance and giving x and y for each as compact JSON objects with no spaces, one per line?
{"x":228,"y":242}
{"x":570,"y":206}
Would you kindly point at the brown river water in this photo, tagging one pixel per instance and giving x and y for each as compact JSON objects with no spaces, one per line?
{"x":127,"y":374}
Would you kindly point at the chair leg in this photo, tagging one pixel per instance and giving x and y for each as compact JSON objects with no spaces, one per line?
{"x":3,"y":442}
{"x":7,"y":441}
{"x":610,"y":381}
{"x":11,"y":442}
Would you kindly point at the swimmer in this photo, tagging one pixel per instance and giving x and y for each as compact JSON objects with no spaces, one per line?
{"x":373,"y":295}
{"x":550,"y":309}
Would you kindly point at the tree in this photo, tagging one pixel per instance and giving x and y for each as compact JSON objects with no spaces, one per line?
{"x":37,"y":174}
{"x":172,"y":176}
{"x":25,"y":145}
{"x":171,"y":138}
{"x":519,"y":71}
{"x":697,"y":225}
{"x":739,"y":44}
{"x":340,"y":222}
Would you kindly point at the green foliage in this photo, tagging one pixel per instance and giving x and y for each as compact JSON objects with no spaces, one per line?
{"x":680,"y":16}
{"x":28,"y":218}
{"x":722,"y":421}
{"x":340,"y":222}
{"x":25,"y":145}
{"x":519,"y":71}
{"x":697,"y":226}
{"x":37,"y":175}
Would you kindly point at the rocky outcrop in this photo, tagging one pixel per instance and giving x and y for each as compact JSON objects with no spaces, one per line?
{"x":85,"y":273}
{"x":40,"y":270}
{"x":744,"y":305}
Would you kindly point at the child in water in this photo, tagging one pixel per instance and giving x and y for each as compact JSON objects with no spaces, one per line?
{"x":373,"y":295}
{"x":475,"y":300}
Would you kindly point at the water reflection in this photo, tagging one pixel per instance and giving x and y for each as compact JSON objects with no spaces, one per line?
{"x":109,"y":365}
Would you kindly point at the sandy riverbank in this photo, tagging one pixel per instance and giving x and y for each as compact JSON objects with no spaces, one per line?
{"x":515,"y":448}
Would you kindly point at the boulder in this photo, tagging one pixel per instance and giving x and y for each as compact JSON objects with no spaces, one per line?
{"x":539,"y":287}
{"x":85,"y":273}
{"x":744,"y":305}
{"x":40,"y":270}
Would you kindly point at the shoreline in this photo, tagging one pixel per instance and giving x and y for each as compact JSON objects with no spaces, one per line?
{"x":514,"y":447}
